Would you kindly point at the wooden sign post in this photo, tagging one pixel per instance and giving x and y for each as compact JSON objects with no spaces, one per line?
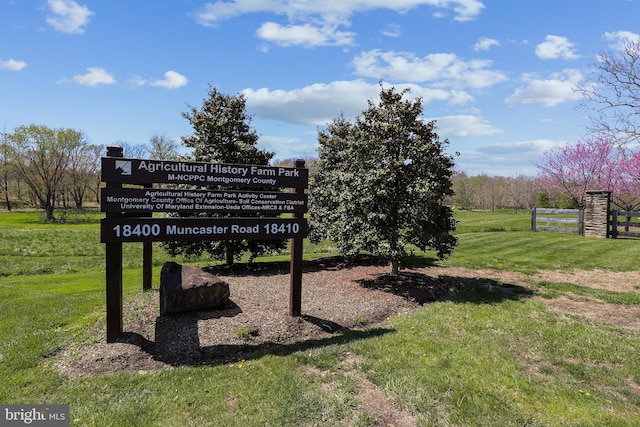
{"x":129,"y":213}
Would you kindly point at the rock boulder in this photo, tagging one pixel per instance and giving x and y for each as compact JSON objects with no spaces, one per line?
{"x":189,"y":288}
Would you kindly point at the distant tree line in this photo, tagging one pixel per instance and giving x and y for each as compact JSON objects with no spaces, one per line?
{"x":484,"y":192}
{"x":57,"y":169}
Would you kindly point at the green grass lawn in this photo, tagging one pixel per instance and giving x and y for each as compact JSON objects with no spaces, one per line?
{"x":480,"y":357}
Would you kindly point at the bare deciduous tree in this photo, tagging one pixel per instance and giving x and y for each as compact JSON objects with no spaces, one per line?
{"x":612,"y":94}
{"x":41,"y":157}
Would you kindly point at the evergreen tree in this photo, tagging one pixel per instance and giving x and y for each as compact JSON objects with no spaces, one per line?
{"x":222,"y":133}
{"x":380,"y":183}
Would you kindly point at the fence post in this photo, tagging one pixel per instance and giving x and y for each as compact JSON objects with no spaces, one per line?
{"x":581,"y":222}
{"x":597,"y":211}
{"x":533,"y":219}
{"x":614,"y":224}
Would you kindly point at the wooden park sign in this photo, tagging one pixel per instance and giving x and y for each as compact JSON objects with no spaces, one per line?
{"x":129,"y":213}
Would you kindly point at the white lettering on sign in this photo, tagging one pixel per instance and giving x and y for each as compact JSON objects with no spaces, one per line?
{"x":288,"y":172}
{"x":263,"y":181}
{"x":227,"y":180}
{"x":151,"y":167}
{"x":186,"y":177}
{"x":229,"y":170}
{"x":139,"y":230}
{"x":236,"y":229}
{"x":214,"y":229}
{"x":262,"y":171}
{"x":281,"y":228}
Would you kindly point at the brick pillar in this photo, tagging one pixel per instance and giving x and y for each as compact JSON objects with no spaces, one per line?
{"x":596,"y":215}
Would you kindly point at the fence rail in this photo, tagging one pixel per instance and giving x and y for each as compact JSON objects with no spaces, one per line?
{"x":536,"y":220}
{"x":628,"y":223}
{"x":597,"y":219}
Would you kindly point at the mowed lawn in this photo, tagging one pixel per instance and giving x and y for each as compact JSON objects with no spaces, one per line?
{"x":490,"y":355}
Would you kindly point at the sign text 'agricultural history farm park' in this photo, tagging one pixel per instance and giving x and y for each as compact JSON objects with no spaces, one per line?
{"x":246,"y":200}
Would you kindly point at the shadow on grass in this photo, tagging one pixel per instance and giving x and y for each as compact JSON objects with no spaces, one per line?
{"x":184,"y":349}
{"x":177,"y":341}
{"x":423,"y":289}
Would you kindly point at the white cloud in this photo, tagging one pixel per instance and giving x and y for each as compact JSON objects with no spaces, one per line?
{"x":212,"y":13}
{"x":315,"y":104}
{"x":12,"y":65}
{"x":505,"y":159}
{"x":306,"y":35}
{"x":522,"y":148}
{"x":137,"y":81}
{"x":555,"y":47}
{"x":68,"y":16}
{"x":443,"y":69}
{"x":287,"y":145}
{"x":319,"y":23}
{"x":464,"y":125}
{"x":95,"y":76}
{"x":553,"y":91}
{"x":318,"y":104}
{"x":391,"y":30}
{"x":485,"y":43}
{"x":172,"y":80}
{"x":620,"y":38}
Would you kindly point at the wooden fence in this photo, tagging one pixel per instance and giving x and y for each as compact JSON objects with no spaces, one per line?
{"x":627,"y":223}
{"x":596,"y":220}
{"x":620,"y":224}
{"x":558,"y":216}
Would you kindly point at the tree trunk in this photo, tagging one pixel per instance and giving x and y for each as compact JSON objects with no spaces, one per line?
{"x":395,"y":267}
{"x":49,"y":212}
{"x":230,"y":257}
{"x":6,"y":192}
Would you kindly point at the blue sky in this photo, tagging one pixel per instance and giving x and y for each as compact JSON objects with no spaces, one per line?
{"x":497,"y":75}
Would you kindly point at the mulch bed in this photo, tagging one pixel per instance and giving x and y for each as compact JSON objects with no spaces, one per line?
{"x":340,"y":300}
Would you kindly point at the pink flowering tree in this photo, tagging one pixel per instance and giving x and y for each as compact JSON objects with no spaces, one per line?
{"x":627,"y":192}
{"x":592,"y":164}
{"x":574,"y":169}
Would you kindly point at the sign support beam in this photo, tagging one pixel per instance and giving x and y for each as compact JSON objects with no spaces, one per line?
{"x":295,"y":268}
{"x":113,"y":268}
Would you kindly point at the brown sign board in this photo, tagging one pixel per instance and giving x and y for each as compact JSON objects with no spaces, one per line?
{"x":125,"y":229}
{"x":140,"y":171}
{"x":176,"y":200}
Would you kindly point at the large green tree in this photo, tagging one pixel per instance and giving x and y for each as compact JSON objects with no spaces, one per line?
{"x":222,"y":133}
{"x":380,"y":183}
{"x":41,"y":156}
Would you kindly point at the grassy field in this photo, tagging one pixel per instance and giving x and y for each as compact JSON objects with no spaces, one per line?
{"x":479,"y":357}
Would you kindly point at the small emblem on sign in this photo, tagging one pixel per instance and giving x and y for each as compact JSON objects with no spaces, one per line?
{"x":123,"y":166}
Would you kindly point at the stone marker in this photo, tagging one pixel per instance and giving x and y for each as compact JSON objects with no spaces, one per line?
{"x":189,"y":288}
